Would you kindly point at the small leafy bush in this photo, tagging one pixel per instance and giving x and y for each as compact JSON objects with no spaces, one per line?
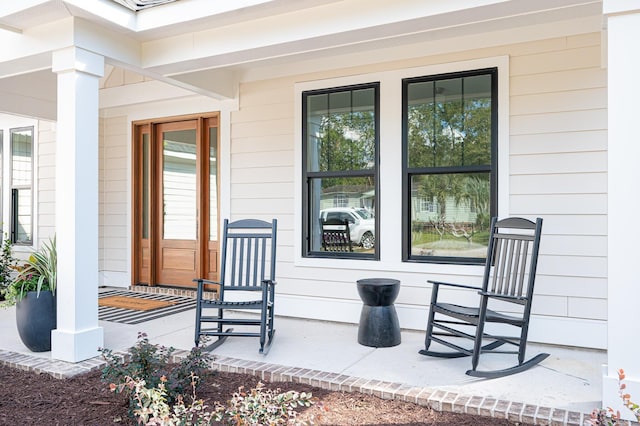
{"x":151,"y":408}
{"x":151,"y":363}
{"x":256,"y":407}
{"x":607,"y":417}
{"x":262,"y":407}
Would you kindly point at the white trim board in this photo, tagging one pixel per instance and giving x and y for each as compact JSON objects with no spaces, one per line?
{"x":549,"y":330}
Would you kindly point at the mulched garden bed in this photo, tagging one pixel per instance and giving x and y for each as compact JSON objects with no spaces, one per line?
{"x":27,"y":398}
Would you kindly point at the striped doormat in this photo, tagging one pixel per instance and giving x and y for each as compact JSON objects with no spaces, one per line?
{"x":128,"y":307}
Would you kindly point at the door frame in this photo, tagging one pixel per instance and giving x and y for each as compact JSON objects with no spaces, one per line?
{"x":147,"y":250}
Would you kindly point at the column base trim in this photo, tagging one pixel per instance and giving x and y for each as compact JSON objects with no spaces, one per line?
{"x":76,"y":346}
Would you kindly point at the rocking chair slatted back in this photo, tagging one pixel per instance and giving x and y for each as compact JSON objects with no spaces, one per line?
{"x":248,"y":254}
{"x":510,"y":260}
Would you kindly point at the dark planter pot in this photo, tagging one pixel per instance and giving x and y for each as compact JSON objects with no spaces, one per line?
{"x":35,"y":318}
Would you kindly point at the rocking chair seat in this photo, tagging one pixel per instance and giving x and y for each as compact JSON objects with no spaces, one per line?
{"x":472,"y":314}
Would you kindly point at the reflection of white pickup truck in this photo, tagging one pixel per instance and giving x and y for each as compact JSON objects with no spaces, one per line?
{"x":361,"y":224}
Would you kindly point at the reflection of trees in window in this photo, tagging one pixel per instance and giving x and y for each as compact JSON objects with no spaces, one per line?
{"x":340,"y":128}
{"x":444,"y":134}
{"x":477,"y":191}
{"x":346,"y":141}
{"x":448,"y":142}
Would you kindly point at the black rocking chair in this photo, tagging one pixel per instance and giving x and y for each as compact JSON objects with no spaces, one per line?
{"x":247,"y":264}
{"x":509,"y":276}
{"x":336,"y":236}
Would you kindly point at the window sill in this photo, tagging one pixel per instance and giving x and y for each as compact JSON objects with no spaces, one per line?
{"x":389,"y":266}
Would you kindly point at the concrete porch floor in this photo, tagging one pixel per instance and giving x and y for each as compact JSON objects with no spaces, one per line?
{"x":563,"y":389}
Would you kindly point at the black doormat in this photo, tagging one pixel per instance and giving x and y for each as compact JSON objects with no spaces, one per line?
{"x":166,"y":305}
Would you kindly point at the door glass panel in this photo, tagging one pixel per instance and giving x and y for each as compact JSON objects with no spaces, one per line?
{"x":179,"y":185}
{"x":145,"y":186}
{"x":213,"y":183}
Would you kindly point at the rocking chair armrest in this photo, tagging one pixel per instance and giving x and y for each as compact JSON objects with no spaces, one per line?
{"x":470,"y":287}
{"x":270,"y":282}
{"x":196,"y":280}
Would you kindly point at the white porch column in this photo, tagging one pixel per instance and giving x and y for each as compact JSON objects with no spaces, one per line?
{"x":78,"y":335}
{"x":623,"y":23}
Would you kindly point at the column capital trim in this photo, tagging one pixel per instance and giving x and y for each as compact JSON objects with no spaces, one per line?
{"x":76,"y":59}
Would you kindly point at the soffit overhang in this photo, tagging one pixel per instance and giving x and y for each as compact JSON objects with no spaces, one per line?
{"x":207,"y":47}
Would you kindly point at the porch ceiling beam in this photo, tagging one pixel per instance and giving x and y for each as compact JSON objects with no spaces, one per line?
{"x":25,"y":65}
{"x":160,"y":21}
{"x":125,"y":52}
{"x":10,"y":28}
{"x":32,"y":42}
{"x":27,"y":106}
{"x":31,"y":51}
{"x":333,"y":26}
{"x":140,"y":93}
{"x":248,"y":34}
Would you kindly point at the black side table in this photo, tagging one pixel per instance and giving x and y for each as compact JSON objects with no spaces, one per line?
{"x":379,"y":326}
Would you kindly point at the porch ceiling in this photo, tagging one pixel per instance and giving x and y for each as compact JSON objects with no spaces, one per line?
{"x":207,"y":47}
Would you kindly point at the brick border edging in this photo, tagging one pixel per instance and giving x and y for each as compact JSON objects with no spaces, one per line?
{"x":437,"y":399}
{"x":56,"y":368}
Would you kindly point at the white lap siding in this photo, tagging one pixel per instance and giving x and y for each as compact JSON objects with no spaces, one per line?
{"x":556,"y":170}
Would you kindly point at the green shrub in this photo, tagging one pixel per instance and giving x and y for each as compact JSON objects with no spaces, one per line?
{"x":152,"y":364}
{"x":256,"y":407}
{"x":7,"y":265}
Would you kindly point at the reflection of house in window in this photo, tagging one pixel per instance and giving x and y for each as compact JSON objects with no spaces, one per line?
{"x":427,"y":205}
{"x":428,"y":209}
{"x":356,"y":196}
{"x":179,"y":183}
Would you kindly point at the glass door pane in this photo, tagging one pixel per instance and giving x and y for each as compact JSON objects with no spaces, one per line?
{"x":213,"y":183}
{"x":145,"y":185}
{"x":179,"y":191}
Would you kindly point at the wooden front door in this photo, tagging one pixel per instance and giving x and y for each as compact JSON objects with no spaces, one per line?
{"x":175,"y":201}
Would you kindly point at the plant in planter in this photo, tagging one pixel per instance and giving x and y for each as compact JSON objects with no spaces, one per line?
{"x":33,"y":292}
{"x":7,"y":265}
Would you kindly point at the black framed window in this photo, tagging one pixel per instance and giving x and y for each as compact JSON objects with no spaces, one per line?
{"x":340,"y":167}
{"x":449,"y":165}
{"x":21,"y":182}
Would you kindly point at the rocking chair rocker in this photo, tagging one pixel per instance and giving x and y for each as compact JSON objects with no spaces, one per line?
{"x":509,"y":276}
{"x":247,"y":264}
